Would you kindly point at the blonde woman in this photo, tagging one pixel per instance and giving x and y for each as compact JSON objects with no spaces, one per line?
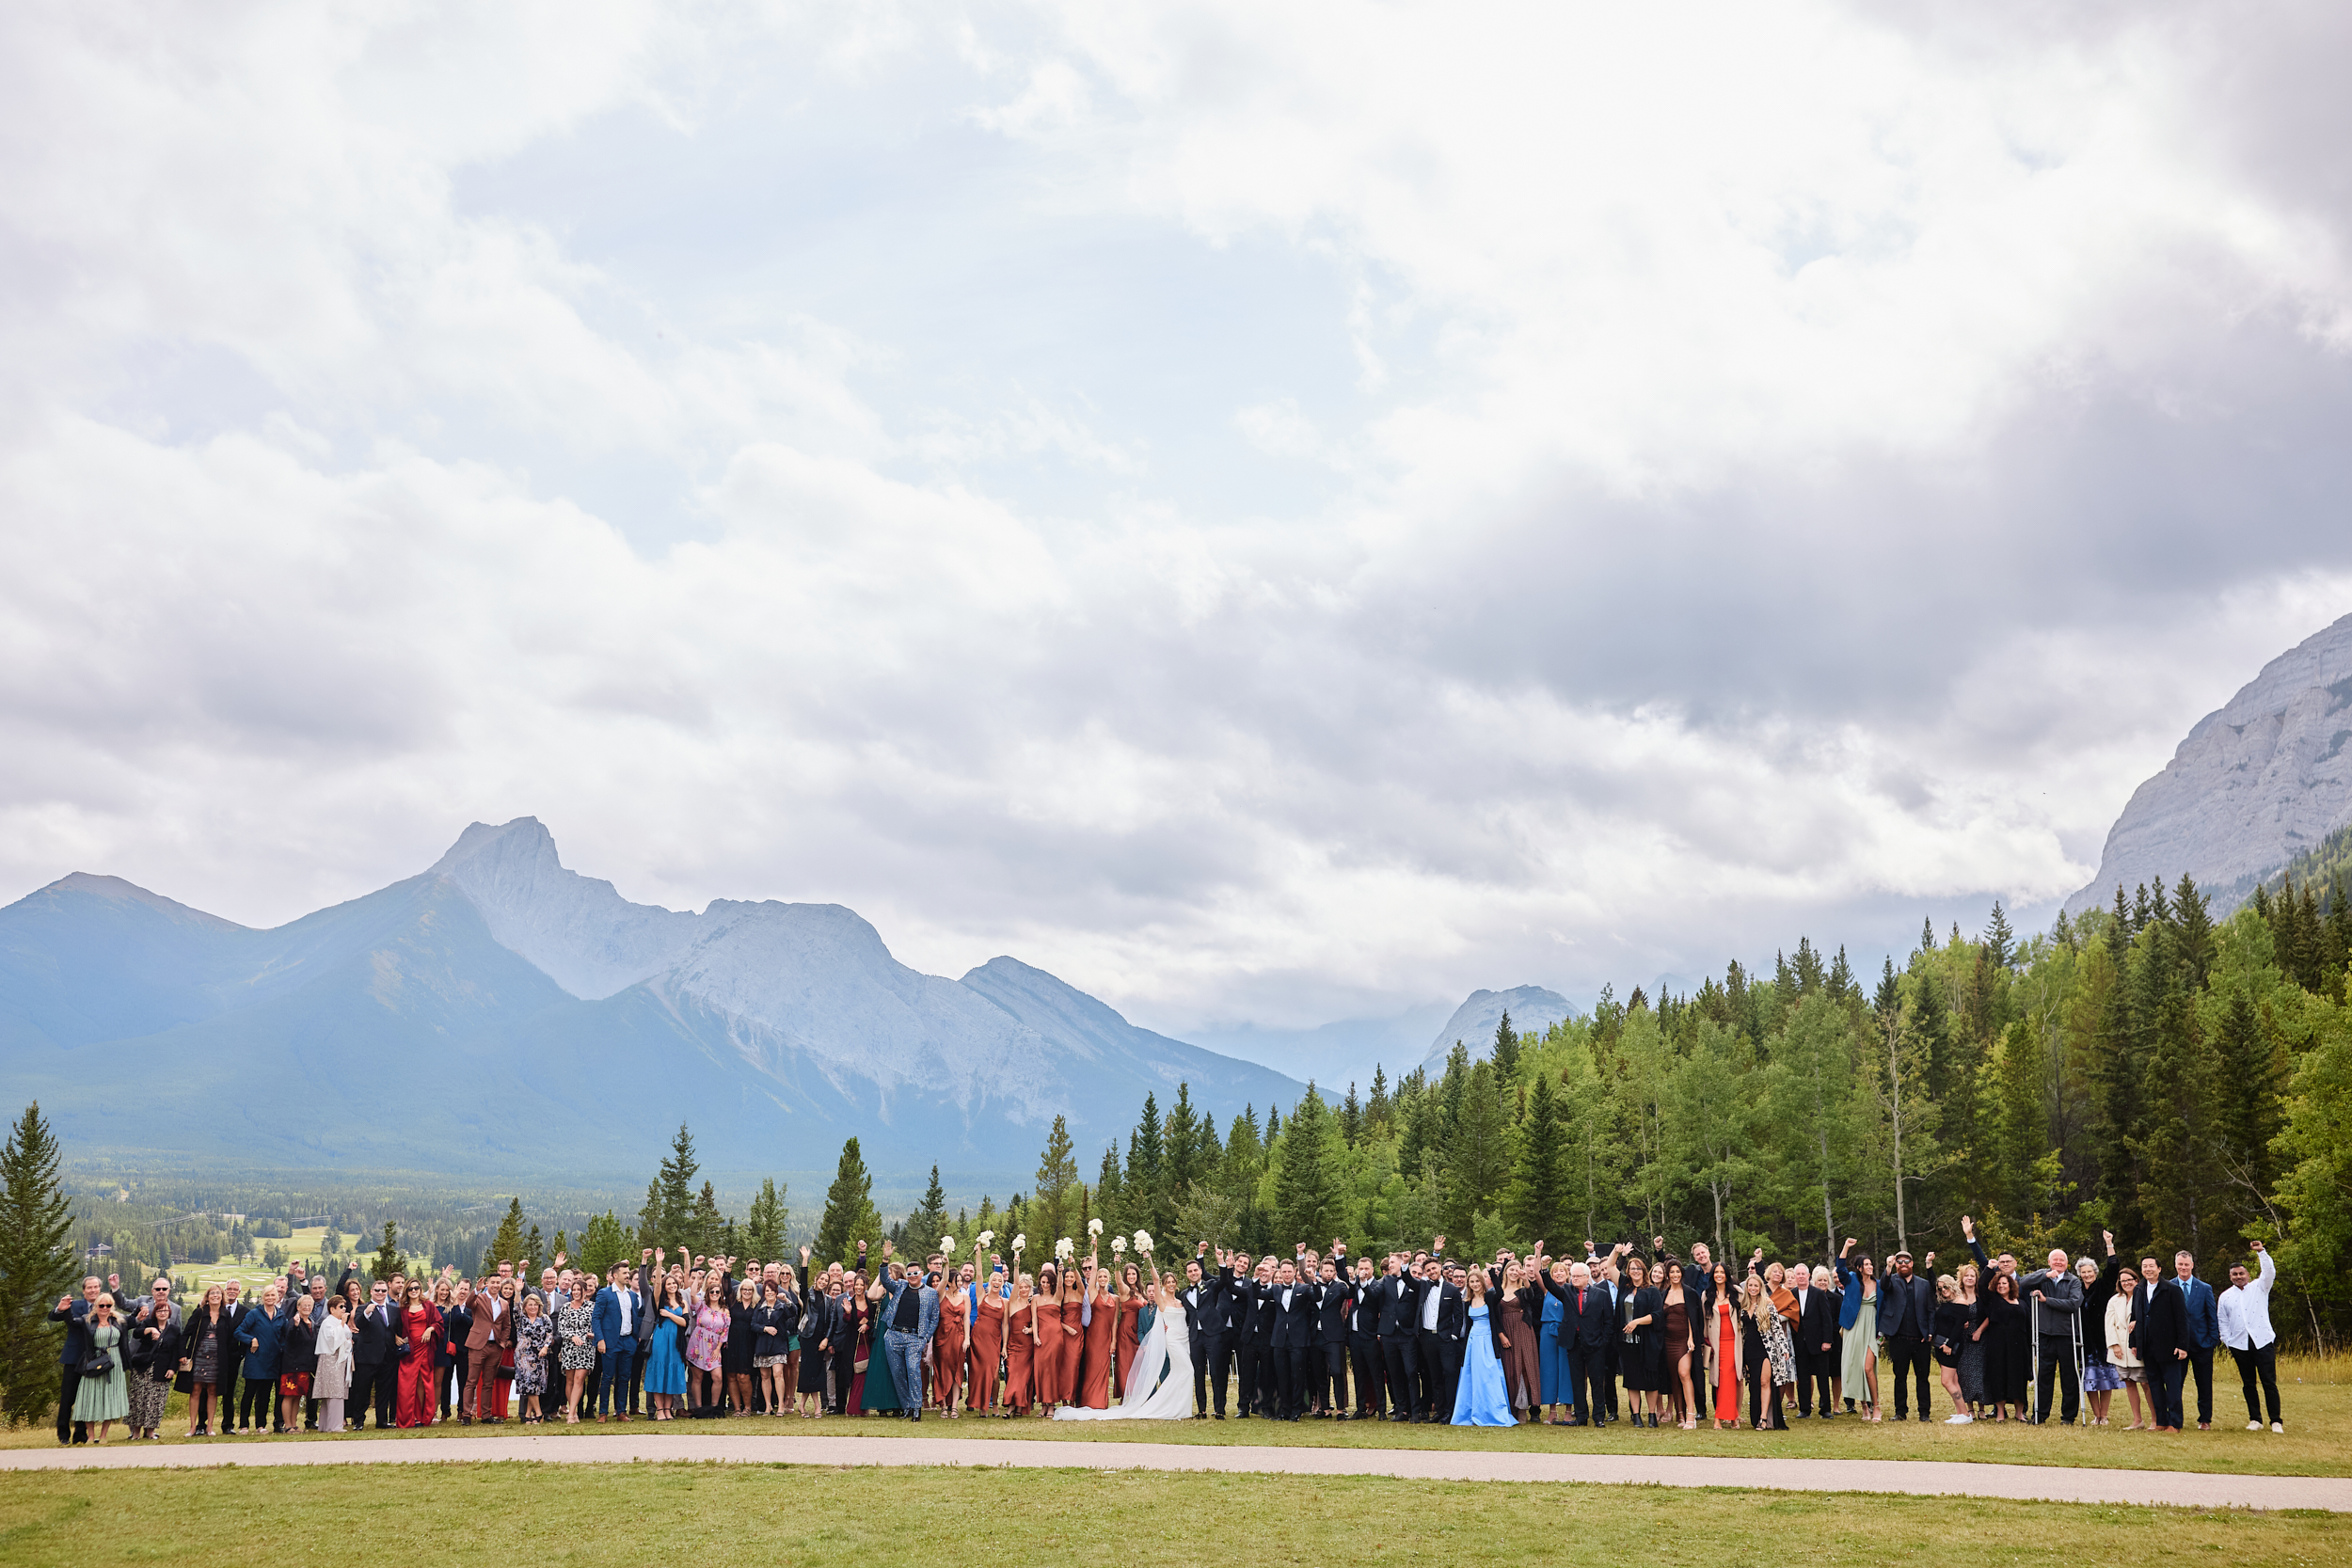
{"x":2123,"y":1357}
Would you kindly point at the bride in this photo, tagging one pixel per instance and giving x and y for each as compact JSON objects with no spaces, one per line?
{"x":1159,"y":1386}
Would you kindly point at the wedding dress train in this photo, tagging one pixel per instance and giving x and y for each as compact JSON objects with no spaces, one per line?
{"x":1159,"y":1388}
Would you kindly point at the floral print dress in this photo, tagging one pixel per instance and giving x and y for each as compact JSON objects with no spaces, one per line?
{"x":532,"y":1338}
{"x":708,"y":1338}
{"x":577,"y":1321}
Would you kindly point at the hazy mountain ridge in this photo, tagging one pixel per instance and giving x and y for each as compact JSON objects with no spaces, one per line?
{"x":1533,"y":1010}
{"x":2259,"y":781}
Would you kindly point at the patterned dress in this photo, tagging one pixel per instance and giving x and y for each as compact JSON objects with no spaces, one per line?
{"x":532,"y":1338}
{"x":1780,"y":1350}
{"x":577,"y":1321}
{"x":708,"y":1338}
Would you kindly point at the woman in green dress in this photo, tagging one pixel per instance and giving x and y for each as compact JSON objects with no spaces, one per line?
{"x":104,"y":1401}
{"x":881,"y":1386}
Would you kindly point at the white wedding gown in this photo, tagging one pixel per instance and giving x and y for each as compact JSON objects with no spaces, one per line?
{"x":1166,"y":1350}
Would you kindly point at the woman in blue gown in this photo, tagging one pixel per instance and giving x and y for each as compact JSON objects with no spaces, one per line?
{"x":1482,"y":1399}
{"x":665,"y":1360}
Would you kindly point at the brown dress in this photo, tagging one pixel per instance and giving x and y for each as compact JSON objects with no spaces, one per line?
{"x":1678,"y":1346}
{"x":1047,"y":1373}
{"x":1020,"y":1359}
{"x":1128,"y":1312}
{"x":947,"y":1345}
{"x":1073,"y":1349}
{"x":988,"y":1349}
{"x":1523,"y":1362}
{"x":1094,"y":1362}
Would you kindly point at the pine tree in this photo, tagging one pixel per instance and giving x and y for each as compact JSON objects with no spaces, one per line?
{"x":1309,"y":1189}
{"x":1351,"y":1116}
{"x":1378,"y":1112}
{"x":2000,"y":942}
{"x":1478,"y":1160}
{"x":706,"y":1229}
{"x":1245,"y":1158}
{"x":2023,"y":1162}
{"x":928,"y":1221}
{"x":2250,"y":1111}
{"x":849,"y":1213}
{"x":388,"y":1260}
{"x":764,"y":1225}
{"x":1927,"y":935}
{"x":1182,"y":1150}
{"x":1506,"y":1052}
{"x":2175,"y":1151}
{"x":1150,"y":1203}
{"x":37,"y":1267}
{"x":2194,"y":917}
{"x":669,"y":1217}
{"x":506,"y":1247}
{"x":1841,"y":981}
{"x":605,"y":1243}
{"x":1110,"y":1197}
{"x":1057,"y":1196}
{"x":1538,"y":1205}
{"x":533,"y":1250}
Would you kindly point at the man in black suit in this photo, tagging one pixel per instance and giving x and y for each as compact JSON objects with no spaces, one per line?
{"x":1907,"y":1318}
{"x":1199,"y":1299}
{"x":1586,"y":1316}
{"x":1335,"y":1302}
{"x":1816,"y":1342}
{"x":1611,"y":1283}
{"x":1398,"y":1296}
{"x":1291,"y":1304}
{"x":1238,"y":1284}
{"x":374,"y":1358}
{"x":2161,"y":1310}
{"x":1444,"y":1325}
{"x":1261,"y":1378}
{"x":1363,"y":1342}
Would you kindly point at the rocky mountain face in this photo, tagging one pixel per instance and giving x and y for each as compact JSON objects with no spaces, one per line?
{"x":2255,"y":783}
{"x":1532,"y":1009}
{"x":501,"y":1008}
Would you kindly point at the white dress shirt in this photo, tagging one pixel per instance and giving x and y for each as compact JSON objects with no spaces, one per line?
{"x":1429,"y":1305}
{"x":2245,"y":1311}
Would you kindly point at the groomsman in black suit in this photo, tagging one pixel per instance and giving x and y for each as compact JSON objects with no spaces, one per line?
{"x":1398,"y":1294}
{"x":1441,"y":1305}
{"x":1335,"y":1304}
{"x":1262,"y":1378}
{"x":1291,"y":1304}
{"x":1816,"y":1342}
{"x":1239,"y":1288}
{"x":1203,"y":1304}
{"x":1363,"y":1342}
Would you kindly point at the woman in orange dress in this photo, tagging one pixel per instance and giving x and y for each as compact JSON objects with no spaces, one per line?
{"x":1098,"y":1317}
{"x":1130,"y":1306}
{"x":1724,"y":1351}
{"x":1045,"y":1308}
{"x":947,"y":1343}
{"x":1019,"y":1344}
{"x":988,"y":1340}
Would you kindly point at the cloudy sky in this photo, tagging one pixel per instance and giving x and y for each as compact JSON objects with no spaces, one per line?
{"x":1275,"y":512}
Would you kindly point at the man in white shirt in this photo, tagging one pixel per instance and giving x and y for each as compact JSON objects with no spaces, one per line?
{"x":2245,"y":1311}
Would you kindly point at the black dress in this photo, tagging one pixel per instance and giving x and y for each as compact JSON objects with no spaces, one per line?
{"x":2009,"y":1351}
{"x":1639,"y":1356}
{"x":743,"y":1323}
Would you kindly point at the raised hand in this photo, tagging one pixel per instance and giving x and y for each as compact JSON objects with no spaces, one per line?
{"x":1967,"y":1228}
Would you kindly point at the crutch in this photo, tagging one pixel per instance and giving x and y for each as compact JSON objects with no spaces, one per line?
{"x":2033,"y":1310}
{"x":2077,"y":1324}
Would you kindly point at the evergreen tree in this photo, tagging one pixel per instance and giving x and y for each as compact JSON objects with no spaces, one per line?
{"x":1309,"y":1185}
{"x":1479,"y":1159}
{"x":2250,"y":1106}
{"x":1183,"y":1148}
{"x":1150,"y":1202}
{"x":2175,"y":1151}
{"x":604,"y":1243}
{"x":2024,"y":1165}
{"x":669,"y":1217}
{"x":1351,"y":1116}
{"x":1927,"y":936}
{"x":1245,"y":1159}
{"x":928,"y":1221}
{"x":533,"y":1250}
{"x":1110,"y":1198}
{"x":506,"y":1247}
{"x":1538,"y":1205}
{"x":388,"y":1260}
{"x":1377,"y":1111}
{"x":764,"y":1225}
{"x":1842,"y":985}
{"x":36,"y":1266}
{"x":2194,"y":917}
{"x":706,"y":1229}
{"x":2000,"y":943}
{"x":1056,"y":1199}
{"x":849,"y":1213}
{"x":1506,"y":1052}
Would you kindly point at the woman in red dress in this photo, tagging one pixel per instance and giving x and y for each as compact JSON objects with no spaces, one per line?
{"x":948,"y":1343}
{"x":1130,"y":1306}
{"x":1019,"y":1344}
{"x":421,"y":1324}
{"x":1724,"y":1351}
{"x":1098,"y":1316}
{"x":987,"y":1352}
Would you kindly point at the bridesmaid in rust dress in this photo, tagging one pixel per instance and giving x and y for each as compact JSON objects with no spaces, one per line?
{"x":1130,"y":1308}
{"x":1098,"y":1316}
{"x":1073,"y":1316}
{"x":1019,"y":1344}
{"x":1045,"y":1307}
{"x":988,"y":1340}
{"x":948,"y":1344}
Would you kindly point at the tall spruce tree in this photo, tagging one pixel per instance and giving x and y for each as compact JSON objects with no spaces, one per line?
{"x":928,"y":1221}
{"x":36,"y":1266}
{"x":850,"y":1216}
{"x":1149,"y":1201}
{"x":1056,"y":1199}
{"x":1506,"y":1052}
{"x":507,"y":1245}
{"x":388,"y":1260}
{"x":668,"y":1219}
{"x":1538,"y":1206}
{"x":1309,"y":1183}
{"x":764,"y":1225}
{"x":1479,"y":1159}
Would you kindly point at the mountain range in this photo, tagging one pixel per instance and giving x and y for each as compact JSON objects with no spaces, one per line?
{"x":501,"y":1012}
{"x":2262,"y":779}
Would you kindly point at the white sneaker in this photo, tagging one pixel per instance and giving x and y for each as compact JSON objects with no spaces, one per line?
{"x":2253,"y":1426}
{"x":2277,"y":1426}
{"x":1960,"y":1420}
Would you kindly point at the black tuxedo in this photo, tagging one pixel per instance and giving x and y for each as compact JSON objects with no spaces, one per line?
{"x":374,"y":1362}
{"x":2162,"y":1313}
{"x":1327,"y":1369}
{"x":1364,"y":1347}
{"x":1441,"y":1346}
{"x":1200,"y":1302}
{"x":1397,"y":1299}
{"x":1290,"y":1342}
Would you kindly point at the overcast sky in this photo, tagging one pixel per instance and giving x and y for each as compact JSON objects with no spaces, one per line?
{"x":1273,"y":513}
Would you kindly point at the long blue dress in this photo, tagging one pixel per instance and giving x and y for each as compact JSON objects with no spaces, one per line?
{"x":1481,"y":1400}
{"x":1552,"y":1356}
{"x":665,"y":1363}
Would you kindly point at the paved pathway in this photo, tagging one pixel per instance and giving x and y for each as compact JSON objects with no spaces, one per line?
{"x":1922,"y":1478}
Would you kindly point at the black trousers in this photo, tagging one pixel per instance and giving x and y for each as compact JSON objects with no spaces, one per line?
{"x":228,"y":1421}
{"x":69,"y":1388}
{"x":1818,"y":1373}
{"x":637,"y":1377}
{"x":1217,"y":1353}
{"x":1400,"y":1353}
{"x":1254,"y":1374}
{"x":369,"y":1386}
{"x":2264,"y":1365}
{"x":2058,"y":1366}
{"x":258,"y":1407}
{"x":1291,"y":1367}
{"x":2201,"y":1363}
{"x":1441,"y":1370}
{"x":1608,"y":1372}
{"x":1589,"y":1389}
{"x":2164,"y":1385}
{"x":1364,"y":1349}
{"x":844,"y":1373}
{"x":1331,"y":1388}
{"x":1910,"y":1350}
{"x":1201,"y":1377}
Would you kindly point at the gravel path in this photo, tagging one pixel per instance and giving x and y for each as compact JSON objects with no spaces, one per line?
{"x":1921,"y":1478}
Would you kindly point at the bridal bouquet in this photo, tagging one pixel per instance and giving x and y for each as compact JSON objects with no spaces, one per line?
{"x":1143,"y":1242}
{"x":1019,"y":1241}
{"x":1065,"y":1249}
{"x":1094,"y":1227}
{"x":987,"y":1239}
{"x":947,"y":1246}
{"x":1119,"y":1246}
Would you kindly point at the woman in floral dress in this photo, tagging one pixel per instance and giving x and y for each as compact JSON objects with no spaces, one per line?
{"x":575,"y":1335}
{"x":704,"y":1347}
{"x":535,"y":1336}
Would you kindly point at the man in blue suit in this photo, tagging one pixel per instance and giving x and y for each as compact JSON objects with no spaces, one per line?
{"x":909,"y":1317}
{"x":2204,"y":1331}
{"x":614,"y":1319}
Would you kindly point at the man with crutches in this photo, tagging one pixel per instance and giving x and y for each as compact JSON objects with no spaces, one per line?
{"x":2055,"y":1297}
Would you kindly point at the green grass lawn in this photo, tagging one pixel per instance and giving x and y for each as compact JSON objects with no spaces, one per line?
{"x":627,"y":1516}
{"x":2317,"y":1442}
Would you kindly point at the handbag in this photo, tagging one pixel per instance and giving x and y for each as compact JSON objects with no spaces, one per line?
{"x":98,"y":1363}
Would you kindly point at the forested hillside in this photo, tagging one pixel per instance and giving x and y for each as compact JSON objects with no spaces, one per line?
{"x":2139,"y":1068}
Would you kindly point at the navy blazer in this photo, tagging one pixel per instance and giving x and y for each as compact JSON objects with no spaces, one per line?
{"x":2204,"y":1312}
{"x":604,"y":1318}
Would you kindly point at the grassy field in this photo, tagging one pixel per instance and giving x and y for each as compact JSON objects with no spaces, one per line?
{"x":628,"y":1516}
{"x":2317,"y":1442}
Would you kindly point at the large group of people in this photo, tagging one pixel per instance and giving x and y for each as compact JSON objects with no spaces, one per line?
{"x":1620,"y":1335}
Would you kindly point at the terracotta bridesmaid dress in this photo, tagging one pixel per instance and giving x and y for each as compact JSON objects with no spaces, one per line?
{"x":1128,"y":1312}
{"x":1094,"y":1377}
{"x":1020,"y":1353}
{"x":1066,"y":1385}
{"x":988,"y":1349}
{"x":1047,"y":1368}
{"x":948,"y":1347}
